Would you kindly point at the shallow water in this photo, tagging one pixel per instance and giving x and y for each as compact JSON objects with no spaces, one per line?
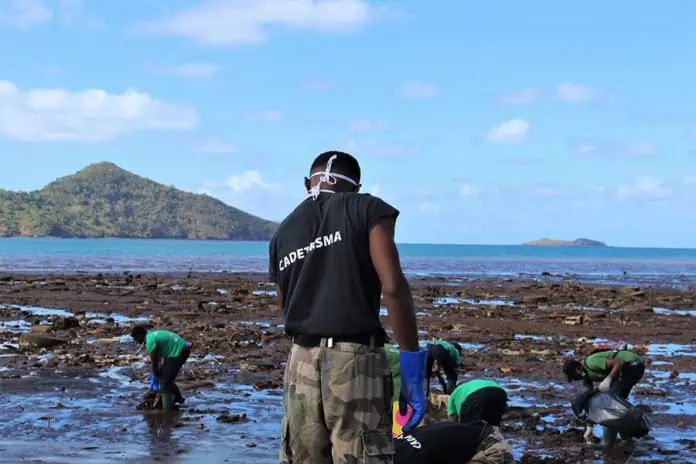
{"x":447,"y":300}
{"x":99,"y":414}
{"x":94,"y":317}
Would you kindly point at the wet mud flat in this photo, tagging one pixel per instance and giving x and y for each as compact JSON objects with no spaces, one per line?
{"x":71,"y":377}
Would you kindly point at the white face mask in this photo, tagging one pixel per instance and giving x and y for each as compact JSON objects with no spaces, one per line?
{"x":328,"y":177}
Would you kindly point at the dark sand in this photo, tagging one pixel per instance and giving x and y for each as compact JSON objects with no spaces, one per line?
{"x":75,"y":402}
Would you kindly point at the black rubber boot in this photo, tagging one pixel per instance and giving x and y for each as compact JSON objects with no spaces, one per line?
{"x":608,"y":439}
{"x":167,"y":402}
{"x":178,"y":397}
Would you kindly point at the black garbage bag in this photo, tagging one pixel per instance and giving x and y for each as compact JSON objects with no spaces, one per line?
{"x":612,"y":411}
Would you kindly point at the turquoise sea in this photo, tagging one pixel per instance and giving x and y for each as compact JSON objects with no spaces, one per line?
{"x":622,"y":265}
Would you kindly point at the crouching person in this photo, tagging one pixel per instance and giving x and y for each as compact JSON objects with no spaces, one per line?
{"x":445,"y":357}
{"x":477,"y":400}
{"x":616,"y":370}
{"x":453,"y":443}
{"x":173,"y":351}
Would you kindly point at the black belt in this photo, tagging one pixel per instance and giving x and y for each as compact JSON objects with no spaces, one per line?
{"x":313,"y":341}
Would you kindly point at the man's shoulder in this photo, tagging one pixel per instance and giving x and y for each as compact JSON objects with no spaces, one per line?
{"x":290,"y":220}
{"x":362,"y":198}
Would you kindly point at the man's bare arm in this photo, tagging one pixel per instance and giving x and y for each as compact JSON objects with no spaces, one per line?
{"x":615,"y":365}
{"x":279,"y":297}
{"x":395,"y":288}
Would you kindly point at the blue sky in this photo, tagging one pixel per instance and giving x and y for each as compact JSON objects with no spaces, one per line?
{"x":483,"y":122}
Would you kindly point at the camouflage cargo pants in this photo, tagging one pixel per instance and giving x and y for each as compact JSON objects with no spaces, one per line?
{"x":338,"y":406}
{"x":493,"y":450}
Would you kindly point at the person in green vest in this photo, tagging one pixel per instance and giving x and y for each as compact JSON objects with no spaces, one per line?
{"x":477,"y":399}
{"x":173,"y":351}
{"x":615,"y":370}
{"x":446,"y":357}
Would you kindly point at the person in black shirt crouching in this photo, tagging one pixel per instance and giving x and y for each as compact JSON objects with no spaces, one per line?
{"x":331,"y":260}
{"x":453,"y":443}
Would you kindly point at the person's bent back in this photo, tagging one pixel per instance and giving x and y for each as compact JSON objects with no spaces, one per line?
{"x":453,"y":443}
{"x":331,"y":259}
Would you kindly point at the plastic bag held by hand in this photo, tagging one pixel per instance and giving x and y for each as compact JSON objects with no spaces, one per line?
{"x":412,"y":364}
{"x":605,"y":386}
{"x":154,"y":384}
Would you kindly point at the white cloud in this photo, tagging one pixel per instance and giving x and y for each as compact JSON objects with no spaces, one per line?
{"x":317,"y":85}
{"x":417,"y":90}
{"x":574,"y":93}
{"x":91,"y":115}
{"x":191,"y":70}
{"x":514,"y":130}
{"x":644,"y":187}
{"x":521,"y":97}
{"x":249,"y":180}
{"x":365,"y":125}
{"x":468,"y":190}
{"x":604,"y":148}
{"x":24,"y":14}
{"x":217,"y":147}
{"x":251,"y":21}
{"x":428,"y":208}
{"x":266,"y":115}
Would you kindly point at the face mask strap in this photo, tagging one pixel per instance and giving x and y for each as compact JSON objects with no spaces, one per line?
{"x":328,"y":177}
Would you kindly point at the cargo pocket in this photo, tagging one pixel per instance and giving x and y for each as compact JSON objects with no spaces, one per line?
{"x":285,"y":452}
{"x":378,"y":446}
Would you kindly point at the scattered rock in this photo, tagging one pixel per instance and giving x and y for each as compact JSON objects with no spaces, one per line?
{"x":231,"y":418}
{"x":31,"y":340}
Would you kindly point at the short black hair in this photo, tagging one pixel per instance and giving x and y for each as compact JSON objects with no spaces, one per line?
{"x":343,"y":164}
{"x":139,"y":332}
{"x":458,"y":347}
{"x":570,"y":367}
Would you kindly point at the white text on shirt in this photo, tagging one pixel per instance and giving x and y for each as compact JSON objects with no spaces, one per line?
{"x":301,"y":253}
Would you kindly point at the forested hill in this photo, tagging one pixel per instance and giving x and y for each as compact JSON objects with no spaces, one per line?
{"x":104,"y":200}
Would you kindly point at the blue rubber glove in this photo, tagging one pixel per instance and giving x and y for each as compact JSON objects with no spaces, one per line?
{"x":412,"y":365}
{"x":154,"y":384}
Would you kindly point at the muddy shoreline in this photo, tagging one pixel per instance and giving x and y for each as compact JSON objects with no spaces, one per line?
{"x":517,"y":332}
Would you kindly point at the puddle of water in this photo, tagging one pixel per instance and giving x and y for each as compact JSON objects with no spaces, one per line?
{"x":264,"y":293}
{"x":96,"y":318}
{"x":100,"y":415}
{"x":263,"y":324}
{"x":383,"y":312}
{"x":448,"y":300}
{"x":670,"y":349}
{"x":118,"y":318}
{"x":15,"y":326}
{"x":675,"y":312}
{"x":587,"y":308}
{"x":39,"y":311}
{"x":666,"y":375}
{"x":656,"y":349}
{"x":122,"y":287}
{"x":662,"y":363}
{"x":532,"y":337}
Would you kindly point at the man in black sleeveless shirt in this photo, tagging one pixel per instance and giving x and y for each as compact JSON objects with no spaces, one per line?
{"x":331,"y":260}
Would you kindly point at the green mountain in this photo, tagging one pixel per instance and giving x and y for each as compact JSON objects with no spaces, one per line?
{"x":104,"y":200}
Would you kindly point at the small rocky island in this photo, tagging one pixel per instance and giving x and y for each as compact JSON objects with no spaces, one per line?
{"x":579,"y":242}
